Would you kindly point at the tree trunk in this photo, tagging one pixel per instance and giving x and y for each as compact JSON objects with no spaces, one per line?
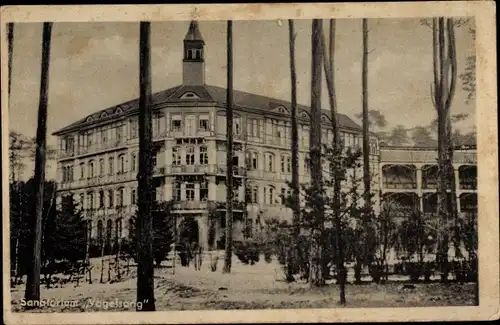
{"x":33,"y":281}
{"x":315,"y":259}
{"x":337,"y":151}
{"x":229,"y":154}
{"x":10,"y":39}
{"x":145,"y":271}
{"x":295,"y":154}
{"x":366,"y":139}
{"x":442,"y":92}
{"x":101,"y":280}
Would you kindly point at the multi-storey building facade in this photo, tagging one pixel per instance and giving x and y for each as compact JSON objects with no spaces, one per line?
{"x":409,"y":178}
{"x":98,"y":156}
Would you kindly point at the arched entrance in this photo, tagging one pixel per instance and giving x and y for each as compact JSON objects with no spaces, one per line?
{"x":189,"y":231}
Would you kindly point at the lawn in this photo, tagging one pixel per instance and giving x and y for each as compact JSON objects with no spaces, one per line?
{"x":256,"y":286}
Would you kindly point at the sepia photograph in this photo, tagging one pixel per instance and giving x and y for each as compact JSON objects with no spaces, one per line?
{"x":201,"y":158}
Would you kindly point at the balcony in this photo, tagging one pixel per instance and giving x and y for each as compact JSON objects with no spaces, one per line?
{"x":158,"y":171}
{"x":237,"y":206}
{"x":192,"y":205}
{"x":237,"y":170}
{"x":191,"y":169}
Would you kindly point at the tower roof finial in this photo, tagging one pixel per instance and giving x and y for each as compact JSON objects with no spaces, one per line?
{"x":193,"y":33}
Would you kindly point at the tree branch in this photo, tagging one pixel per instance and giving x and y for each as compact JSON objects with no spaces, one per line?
{"x":452,"y":56}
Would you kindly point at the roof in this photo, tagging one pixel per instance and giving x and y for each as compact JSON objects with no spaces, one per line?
{"x":193,"y":33}
{"x":204,"y":93}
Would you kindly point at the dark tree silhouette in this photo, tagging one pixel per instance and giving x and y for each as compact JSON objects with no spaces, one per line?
{"x":33,"y":282}
{"x":229,"y":154}
{"x":145,"y":267}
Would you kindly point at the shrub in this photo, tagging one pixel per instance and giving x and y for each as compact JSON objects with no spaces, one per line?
{"x":414,"y":271}
{"x":247,"y":252}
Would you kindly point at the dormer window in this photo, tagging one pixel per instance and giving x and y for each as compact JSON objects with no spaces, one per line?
{"x":190,"y":95}
{"x":118,"y":110}
{"x":104,"y":114}
{"x":89,"y":119}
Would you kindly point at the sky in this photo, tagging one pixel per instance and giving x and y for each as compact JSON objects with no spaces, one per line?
{"x":96,"y":65}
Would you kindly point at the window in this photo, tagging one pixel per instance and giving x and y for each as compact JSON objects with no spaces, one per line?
{"x":236,"y":192}
{"x":111,"y":198}
{"x":82,"y":170}
{"x":133,"y":128}
{"x":190,"y":124}
{"x":305,"y":137}
{"x":286,"y":164}
{"x":101,"y":167}
{"x":237,"y":126}
{"x":154,"y":159}
{"x":104,"y":137}
{"x":133,"y":162}
{"x":176,"y":191}
{"x":100,"y":232}
{"x":111,"y":165}
{"x":203,"y":191}
{"x":269,"y":195}
{"x":90,"y":200}
{"x":91,"y":169}
{"x":254,"y":195}
{"x":221,"y":124}
{"x":307,"y":165}
{"x":253,"y":128}
{"x":176,"y":156}
{"x":121,"y":164}
{"x":203,"y":155}
{"x":203,"y":123}
{"x":190,"y":156}
{"x":82,"y":201}
{"x":101,"y":199}
{"x":176,"y":124}
{"x":156,"y":125}
{"x":119,"y":133}
{"x":119,"y":202}
{"x":283,"y":195}
{"x":269,"y":162}
{"x":118,"y":223}
{"x":89,"y":140}
{"x":190,"y":191}
{"x":133,"y":196}
{"x":252,"y":158}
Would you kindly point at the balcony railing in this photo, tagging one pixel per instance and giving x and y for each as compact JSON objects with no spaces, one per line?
{"x":468,"y":184}
{"x":191,"y":205}
{"x":393,"y":185}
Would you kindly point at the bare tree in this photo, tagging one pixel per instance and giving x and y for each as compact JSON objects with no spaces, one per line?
{"x":33,"y":282}
{"x":329,"y":65}
{"x":442,"y":91}
{"x":229,"y":154}
{"x":295,"y":152}
{"x":144,"y":238}
{"x":316,"y":277}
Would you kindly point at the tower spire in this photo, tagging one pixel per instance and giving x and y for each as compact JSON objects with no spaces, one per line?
{"x":194,"y":61}
{"x":193,"y":33}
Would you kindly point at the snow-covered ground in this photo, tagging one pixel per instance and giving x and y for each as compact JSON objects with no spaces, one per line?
{"x":247,"y":286}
